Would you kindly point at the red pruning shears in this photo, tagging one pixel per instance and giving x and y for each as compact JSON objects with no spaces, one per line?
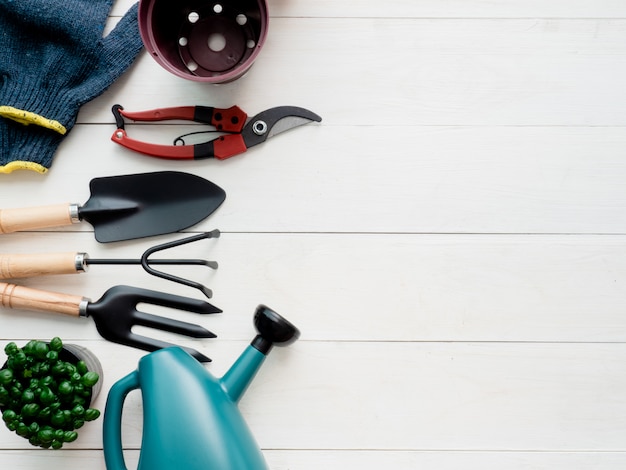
{"x":242,"y":132}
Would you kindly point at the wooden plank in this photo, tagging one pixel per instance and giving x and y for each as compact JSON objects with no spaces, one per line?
{"x":369,"y":287}
{"x":526,"y":72}
{"x":313,"y":460}
{"x":383,"y":179}
{"x":411,"y":396}
{"x":435,"y":8}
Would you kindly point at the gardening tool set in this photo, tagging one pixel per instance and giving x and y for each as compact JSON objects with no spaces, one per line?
{"x":214,"y":42}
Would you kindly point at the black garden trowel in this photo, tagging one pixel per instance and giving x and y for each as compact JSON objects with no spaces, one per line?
{"x":127,"y":207}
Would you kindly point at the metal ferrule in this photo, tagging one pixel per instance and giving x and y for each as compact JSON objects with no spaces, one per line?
{"x":80,"y":262}
{"x":82,"y":307}
{"x":74,"y":213}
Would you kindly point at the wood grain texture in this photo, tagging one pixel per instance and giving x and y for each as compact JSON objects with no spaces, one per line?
{"x":310,"y":460}
{"x":25,"y":298}
{"x":19,"y":265}
{"x":489,"y":396}
{"x":29,"y":218}
{"x":434,"y":8}
{"x":450,"y":239}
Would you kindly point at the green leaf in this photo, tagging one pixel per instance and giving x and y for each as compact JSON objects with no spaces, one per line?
{"x":52,"y":357}
{"x":56,"y":344}
{"x":58,"y":369}
{"x":28,"y":396}
{"x":66,"y":387}
{"x":58,"y":418}
{"x":19,"y":360}
{"x":11,"y":349}
{"x":44,"y":369}
{"x":91,"y":414}
{"x":70,"y":436}
{"x":40,"y":349}
{"x":81,"y":367}
{"x":47,"y":396}
{"x":30,"y":409}
{"x":23,"y":430}
{"x":78,"y":411}
{"x":44,"y":414}
{"x":90,"y":379}
{"x":46,"y":381}
{"x":9,"y":416}
{"x":29,"y":347}
{"x":34,"y":428}
{"x":6,"y":376}
{"x":45,"y":435}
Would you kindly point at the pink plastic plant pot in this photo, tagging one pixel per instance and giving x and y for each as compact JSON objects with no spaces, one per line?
{"x":214,"y":41}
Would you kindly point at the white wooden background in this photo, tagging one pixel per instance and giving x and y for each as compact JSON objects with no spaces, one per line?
{"x":451,"y":239}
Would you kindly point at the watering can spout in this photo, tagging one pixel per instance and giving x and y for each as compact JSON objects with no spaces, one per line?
{"x":273,"y":330}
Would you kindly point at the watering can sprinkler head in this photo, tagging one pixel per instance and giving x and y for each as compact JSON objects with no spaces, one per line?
{"x":272,"y":330}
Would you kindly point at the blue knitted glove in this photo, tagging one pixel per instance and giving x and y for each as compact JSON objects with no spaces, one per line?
{"x":26,"y":147}
{"x":54,"y":59}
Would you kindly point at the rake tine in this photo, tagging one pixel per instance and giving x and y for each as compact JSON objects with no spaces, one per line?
{"x":145,"y":262}
{"x":151,"y":344}
{"x":171,"y":325}
{"x":175,"y":301}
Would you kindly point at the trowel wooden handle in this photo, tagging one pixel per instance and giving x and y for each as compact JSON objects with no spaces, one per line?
{"x":20,"y":297}
{"x":14,"y":266}
{"x":17,"y":220}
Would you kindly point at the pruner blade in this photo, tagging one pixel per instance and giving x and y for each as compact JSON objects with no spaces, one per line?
{"x":274,"y":121}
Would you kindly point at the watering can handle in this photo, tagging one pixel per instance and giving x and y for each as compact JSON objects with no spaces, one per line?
{"x":112,"y":427}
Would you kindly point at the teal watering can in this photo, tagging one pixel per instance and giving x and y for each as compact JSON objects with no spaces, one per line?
{"x":191,"y":420}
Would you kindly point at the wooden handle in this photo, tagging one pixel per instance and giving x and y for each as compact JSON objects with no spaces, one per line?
{"x":39,"y":264}
{"x":16,"y":220}
{"x":19,"y":297}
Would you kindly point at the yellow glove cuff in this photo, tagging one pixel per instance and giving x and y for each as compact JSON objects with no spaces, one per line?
{"x":19,"y":165}
{"x":26,"y":118}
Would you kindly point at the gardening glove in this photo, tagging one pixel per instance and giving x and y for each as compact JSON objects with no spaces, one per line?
{"x":26,"y":147}
{"x":54,"y":59}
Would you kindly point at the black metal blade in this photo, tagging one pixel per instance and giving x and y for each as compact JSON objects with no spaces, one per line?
{"x":274,"y":121}
{"x":147,"y":204}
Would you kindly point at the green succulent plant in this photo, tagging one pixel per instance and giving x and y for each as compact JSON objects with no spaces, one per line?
{"x":44,"y":398}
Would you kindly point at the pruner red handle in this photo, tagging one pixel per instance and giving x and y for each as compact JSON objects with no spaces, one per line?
{"x":221,"y":148}
{"x":223,"y":119}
